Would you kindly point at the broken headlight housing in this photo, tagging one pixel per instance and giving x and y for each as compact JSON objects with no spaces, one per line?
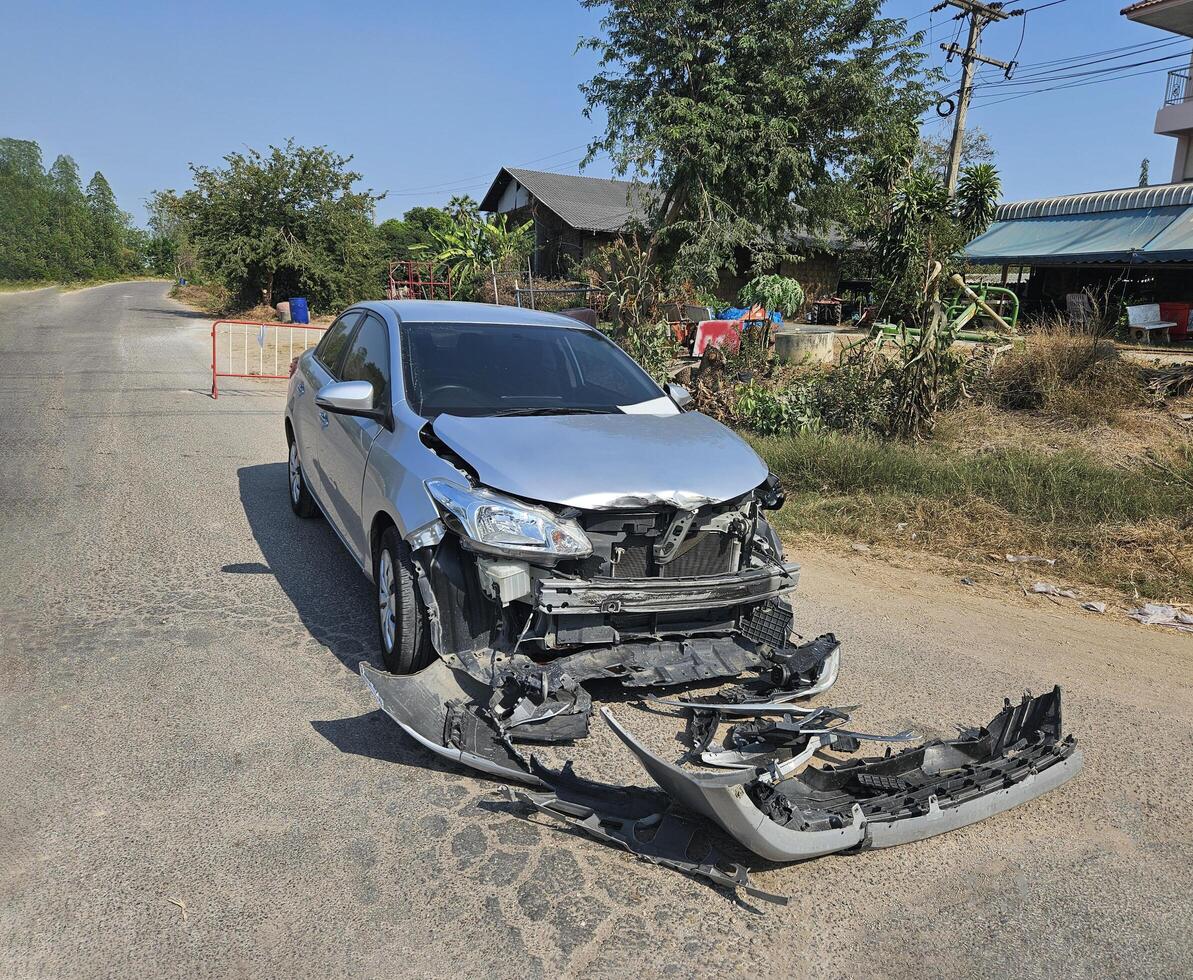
{"x":504,"y":526}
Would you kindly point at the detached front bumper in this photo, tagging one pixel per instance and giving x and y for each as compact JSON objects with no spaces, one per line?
{"x":879,"y":801}
{"x":573,"y":596}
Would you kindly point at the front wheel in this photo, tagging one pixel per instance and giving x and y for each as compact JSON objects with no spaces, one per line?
{"x":401,"y":619}
{"x":301,"y":501}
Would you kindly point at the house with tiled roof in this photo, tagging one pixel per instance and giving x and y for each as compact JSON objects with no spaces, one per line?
{"x":574,"y":215}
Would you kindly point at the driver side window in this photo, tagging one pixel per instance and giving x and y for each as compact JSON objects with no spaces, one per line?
{"x":331,"y":348}
{"x":368,"y":359}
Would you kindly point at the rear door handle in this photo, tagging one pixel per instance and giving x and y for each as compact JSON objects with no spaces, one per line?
{"x":324,"y":420}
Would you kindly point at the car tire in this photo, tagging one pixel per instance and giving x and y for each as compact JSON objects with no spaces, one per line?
{"x":401,"y":620}
{"x":301,"y":501}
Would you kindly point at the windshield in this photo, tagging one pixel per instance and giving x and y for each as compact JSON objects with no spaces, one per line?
{"x":492,"y":369}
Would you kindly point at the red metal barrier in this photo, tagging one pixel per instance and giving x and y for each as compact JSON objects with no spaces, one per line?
{"x":237,"y":351}
{"x":410,"y":279}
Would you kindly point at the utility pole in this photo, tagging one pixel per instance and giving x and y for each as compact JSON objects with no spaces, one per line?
{"x":979,"y":14}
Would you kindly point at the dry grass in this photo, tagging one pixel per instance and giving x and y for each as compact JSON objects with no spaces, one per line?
{"x":1127,"y":527}
{"x":1068,"y":374}
{"x":1136,"y":435}
{"x":205,"y":298}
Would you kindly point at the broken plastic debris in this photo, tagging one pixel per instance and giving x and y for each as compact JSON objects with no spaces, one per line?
{"x":858,"y":546}
{"x":966,"y":580}
{"x":1154,"y":614}
{"x":882,"y":800}
{"x":1047,"y":588}
{"x":1098,"y":607}
{"x":641,"y":821}
{"x":1028,"y":559}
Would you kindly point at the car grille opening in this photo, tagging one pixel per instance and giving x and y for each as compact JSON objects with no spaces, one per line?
{"x":630,"y":553}
{"x":712,"y":554}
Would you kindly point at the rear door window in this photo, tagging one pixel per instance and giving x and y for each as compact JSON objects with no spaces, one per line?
{"x":331,"y":348}
{"x":368,"y":359}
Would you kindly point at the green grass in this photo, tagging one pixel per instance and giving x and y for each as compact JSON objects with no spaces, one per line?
{"x":1127,"y":528}
{"x":20,"y":285}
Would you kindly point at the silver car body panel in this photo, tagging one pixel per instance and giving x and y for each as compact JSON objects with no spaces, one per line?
{"x":939,"y":820}
{"x":722,"y":797}
{"x":596,"y":462}
{"x":419,"y":704}
{"x":536,"y":458}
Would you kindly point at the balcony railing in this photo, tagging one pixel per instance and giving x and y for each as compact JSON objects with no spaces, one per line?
{"x":1178,"y":89}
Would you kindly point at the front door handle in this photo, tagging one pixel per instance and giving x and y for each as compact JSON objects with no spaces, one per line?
{"x":324,"y":420}
{"x":302,"y":388}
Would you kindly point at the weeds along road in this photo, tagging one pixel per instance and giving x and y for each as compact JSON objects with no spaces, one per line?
{"x":194,"y":783}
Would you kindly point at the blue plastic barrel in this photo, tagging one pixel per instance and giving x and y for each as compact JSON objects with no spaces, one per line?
{"x":298,"y":310}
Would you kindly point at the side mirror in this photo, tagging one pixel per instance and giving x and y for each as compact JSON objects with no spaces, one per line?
{"x":348,"y":398}
{"x":678,"y":394}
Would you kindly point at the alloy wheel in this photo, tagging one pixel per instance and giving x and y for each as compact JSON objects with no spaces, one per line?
{"x":387,"y":600}
{"x":295,"y":473}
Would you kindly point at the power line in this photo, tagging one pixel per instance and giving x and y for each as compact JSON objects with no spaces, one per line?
{"x":1041,"y":70}
{"x":1081,"y":84}
{"x":1052,"y":3}
{"x":1138,"y":48}
{"x":1063,"y":76}
{"x":1022,"y":35}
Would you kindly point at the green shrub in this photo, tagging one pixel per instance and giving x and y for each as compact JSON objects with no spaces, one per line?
{"x":652,"y":345}
{"x":775,"y":293}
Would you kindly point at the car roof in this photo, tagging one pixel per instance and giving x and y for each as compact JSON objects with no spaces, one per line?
{"x":450,"y":311}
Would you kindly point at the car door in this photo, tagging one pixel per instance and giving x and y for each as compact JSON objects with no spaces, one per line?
{"x":308,"y":419}
{"x":346,"y":439}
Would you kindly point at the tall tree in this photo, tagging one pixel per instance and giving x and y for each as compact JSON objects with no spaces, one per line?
{"x":107,"y":224}
{"x":68,"y":243}
{"x":415,"y":227}
{"x":51,"y":230}
{"x":170,"y":250}
{"x":750,"y":117}
{"x":24,"y":212}
{"x":286,"y":222}
{"x":976,"y":148}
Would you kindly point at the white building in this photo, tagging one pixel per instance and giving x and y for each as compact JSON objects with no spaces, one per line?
{"x":1175,"y":117}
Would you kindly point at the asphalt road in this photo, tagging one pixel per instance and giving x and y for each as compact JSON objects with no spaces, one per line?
{"x":194,"y":783}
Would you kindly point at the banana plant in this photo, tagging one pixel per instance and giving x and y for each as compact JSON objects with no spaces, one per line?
{"x":471,"y":243}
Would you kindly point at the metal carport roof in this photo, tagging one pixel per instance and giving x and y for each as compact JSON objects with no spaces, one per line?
{"x":1107,"y":236}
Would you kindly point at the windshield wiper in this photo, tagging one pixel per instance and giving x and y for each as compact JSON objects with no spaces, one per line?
{"x":551,"y":410}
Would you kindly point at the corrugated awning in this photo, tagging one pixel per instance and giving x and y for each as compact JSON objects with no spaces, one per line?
{"x":1156,"y":234}
{"x":1174,"y":243}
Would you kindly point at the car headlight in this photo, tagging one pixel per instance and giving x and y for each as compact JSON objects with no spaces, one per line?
{"x":505,"y":526}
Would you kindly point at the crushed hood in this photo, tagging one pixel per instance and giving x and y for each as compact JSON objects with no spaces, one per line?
{"x":607,"y":461}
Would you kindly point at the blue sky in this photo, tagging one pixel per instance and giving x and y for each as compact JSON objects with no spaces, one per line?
{"x":432,"y":98}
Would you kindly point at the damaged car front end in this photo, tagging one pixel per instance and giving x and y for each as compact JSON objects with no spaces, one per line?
{"x":526,"y":603}
{"x":542,"y":521}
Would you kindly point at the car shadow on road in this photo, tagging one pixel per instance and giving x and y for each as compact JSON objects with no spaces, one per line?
{"x":163,"y":311}
{"x":329,"y":593}
{"x":373,"y":735}
{"x":334,"y":601}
